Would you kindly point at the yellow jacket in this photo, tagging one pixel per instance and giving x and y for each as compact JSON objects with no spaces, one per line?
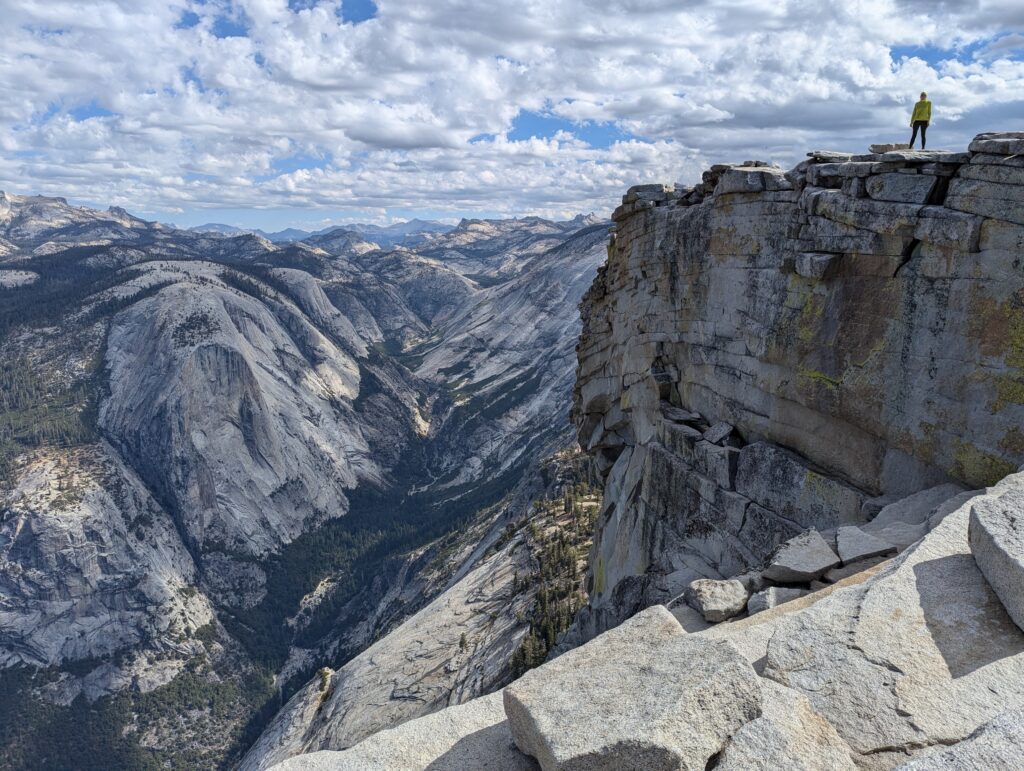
{"x":922,"y":111}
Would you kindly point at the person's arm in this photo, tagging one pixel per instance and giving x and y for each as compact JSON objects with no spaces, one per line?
{"x":928,"y":112}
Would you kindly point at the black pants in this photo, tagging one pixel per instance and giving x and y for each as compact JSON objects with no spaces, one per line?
{"x":923,"y":125}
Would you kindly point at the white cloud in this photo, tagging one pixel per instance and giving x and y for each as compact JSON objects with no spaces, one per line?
{"x":410,"y":110}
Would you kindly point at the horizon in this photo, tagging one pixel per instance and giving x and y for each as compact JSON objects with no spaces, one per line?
{"x":317,"y":227}
{"x":308,"y":114}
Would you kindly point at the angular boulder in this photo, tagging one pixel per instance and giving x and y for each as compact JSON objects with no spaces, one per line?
{"x":801,"y":559}
{"x":633,"y":703}
{"x":718,"y":433}
{"x":816,"y":264}
{"x":717,"y":600}
{"x":855,"y":545}
{"x":907,"y":520}
{"x":772,"y":597}
{"x":996,"y":534}
{"x":998,"y":143}
{"x":901,"y":188}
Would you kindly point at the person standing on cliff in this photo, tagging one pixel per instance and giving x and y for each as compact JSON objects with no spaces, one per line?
{"x":920,"y":119}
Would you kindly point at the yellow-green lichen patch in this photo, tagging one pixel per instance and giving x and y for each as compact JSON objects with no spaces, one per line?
{"x":808,"y":323}
{"x":1013,"y":441}
{"x":999,"y":330}
{"x":1009,"y":390}
{"x":977,"y":467}
{"x":812,"y":377}
{"x":926,"y":447}
{"x":599,"y":576}
{"x":815,"y":488}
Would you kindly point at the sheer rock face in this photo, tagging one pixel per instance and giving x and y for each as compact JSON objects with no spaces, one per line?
{"x":891,"y":366}
{"x":90,"y":563}
{"x":227,"y":409}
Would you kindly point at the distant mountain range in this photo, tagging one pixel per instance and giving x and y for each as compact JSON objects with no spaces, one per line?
{"x":411,"y":233}
{"x":387,"y":236}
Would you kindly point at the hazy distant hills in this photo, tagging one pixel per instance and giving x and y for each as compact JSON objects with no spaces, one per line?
{"x":399,"y":234}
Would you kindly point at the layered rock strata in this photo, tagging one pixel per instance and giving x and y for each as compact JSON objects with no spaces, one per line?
{"x":858,"y":320}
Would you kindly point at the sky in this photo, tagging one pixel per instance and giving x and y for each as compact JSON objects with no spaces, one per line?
{"x":307,"y":113}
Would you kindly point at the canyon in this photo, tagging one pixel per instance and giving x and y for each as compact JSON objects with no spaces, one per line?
{"x":228,"y":465}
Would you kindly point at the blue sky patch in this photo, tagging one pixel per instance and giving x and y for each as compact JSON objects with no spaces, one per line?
{"x":290,"y":163}
{"x":189,"y":75}
{"x":934,"y":55}
{"x":43,"y":116}
{"x":528,"y":124}
{"x":90,"y":110}
{"x":225,"y":26}
{"x":188,"y":20}
{"x":198,"y":176}
{"x":355,"y":11}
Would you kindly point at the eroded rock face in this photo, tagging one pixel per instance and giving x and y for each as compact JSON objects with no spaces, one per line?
{"x":854,"y":319}
{"x":239,"y":419}
{"x":90,"y":564}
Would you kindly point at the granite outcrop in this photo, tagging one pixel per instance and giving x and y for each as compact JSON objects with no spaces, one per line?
{"x":855,"y":322}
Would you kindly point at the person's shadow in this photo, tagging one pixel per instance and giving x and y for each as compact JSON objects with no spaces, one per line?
{"x":966,"y":620}
{"x":476,"y":752}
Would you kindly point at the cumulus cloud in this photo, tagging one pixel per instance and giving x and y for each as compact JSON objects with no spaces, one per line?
{"x":190,"y":105}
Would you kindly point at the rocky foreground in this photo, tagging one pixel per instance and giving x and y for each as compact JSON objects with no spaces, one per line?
{"x":804,"y":390}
